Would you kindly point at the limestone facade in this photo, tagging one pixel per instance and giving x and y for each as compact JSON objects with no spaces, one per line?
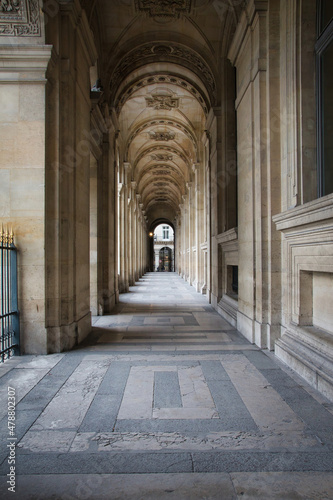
{"x":119,"y":116}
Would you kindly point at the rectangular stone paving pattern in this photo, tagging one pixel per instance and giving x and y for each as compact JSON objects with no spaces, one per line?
{"x":165,"y":400}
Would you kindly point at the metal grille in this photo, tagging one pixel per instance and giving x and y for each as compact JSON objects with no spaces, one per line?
{"x":9,"y":315}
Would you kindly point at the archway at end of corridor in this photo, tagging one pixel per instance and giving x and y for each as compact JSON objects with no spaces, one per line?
{"x":162,"y":246}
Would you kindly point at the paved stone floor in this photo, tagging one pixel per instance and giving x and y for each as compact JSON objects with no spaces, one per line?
{"x":165,"y":400}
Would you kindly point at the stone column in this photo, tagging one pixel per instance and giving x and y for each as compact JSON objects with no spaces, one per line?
{"x":208,"y":206}
{"x":190,"y":229}
{"x":22,"y":172}
{"x":132,"y":242}
{"x":255,"y":53}
{"x":68,"y":317}
{"x":180,"y":244}
{"x":185,"y":238}
{"x":121,"y":230}
{"x":127,"y":190}
{"x":197,"y":225}
{"x":137,"y":230}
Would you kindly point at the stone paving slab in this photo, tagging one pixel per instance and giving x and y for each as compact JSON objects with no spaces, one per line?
{"x":157,"y":441}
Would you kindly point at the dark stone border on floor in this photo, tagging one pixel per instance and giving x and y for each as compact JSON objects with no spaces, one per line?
{"x":33,"y":404}
{"x":168,"y":462}
{"x":185,"y":426}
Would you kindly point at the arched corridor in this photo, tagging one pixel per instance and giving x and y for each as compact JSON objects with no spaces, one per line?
{"x":209,"y":117}
{"x":120,"y":115}
{"x":166,"y":399}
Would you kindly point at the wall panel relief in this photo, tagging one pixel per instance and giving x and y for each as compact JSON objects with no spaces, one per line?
{"x":306,"y":344}
{"x":20,"y":18}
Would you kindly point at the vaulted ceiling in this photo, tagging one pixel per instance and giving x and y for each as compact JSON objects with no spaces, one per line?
{"x":159,"y":62}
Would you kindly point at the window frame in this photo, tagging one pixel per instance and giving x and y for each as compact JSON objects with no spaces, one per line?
{"x":324,"y":39}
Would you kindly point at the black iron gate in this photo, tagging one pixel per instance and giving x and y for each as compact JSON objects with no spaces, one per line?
{"x":10,"y":326}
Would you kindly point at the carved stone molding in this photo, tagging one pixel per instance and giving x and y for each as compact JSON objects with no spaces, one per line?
{"x":164,"y":52}
{"x":12,"y":6}
{"x":20,"y":18}
{"x":161,"y":136}
{"x":164,"y":150}
{"x":173,"y":123}
{"x":24,"y":63}
{"x":161,"y":157}
{"x":163,"y":78}
{"x":163,"y":8}
{"x":162,"y":102}
{"x":161,"y":172}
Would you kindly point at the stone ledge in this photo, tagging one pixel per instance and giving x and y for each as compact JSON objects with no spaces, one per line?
{"x":315,"y":211}
{"x":228,"y":308}
{"x":231,"y":235}
{"x":24,"y":63}
{"x":314,"y":366}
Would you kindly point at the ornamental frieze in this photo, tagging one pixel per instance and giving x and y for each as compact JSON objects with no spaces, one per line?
{"x":161,"y":157}
{"x":162,"y":136}
{"x":163,"y":78}
{"x":20,"y":18}
{"x":163,"y":8}
{"x":162,"y":52}
{"x":161,"y":172}
{"x":10,"y":6}
{"x":162,"y":102}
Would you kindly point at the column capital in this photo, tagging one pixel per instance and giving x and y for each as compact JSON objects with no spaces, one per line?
{"x":127,"y":166}
{"x":26,"y":64}
{"x":195,"y":167}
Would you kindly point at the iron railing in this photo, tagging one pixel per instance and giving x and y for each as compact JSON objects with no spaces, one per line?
{"x":9,"y":315}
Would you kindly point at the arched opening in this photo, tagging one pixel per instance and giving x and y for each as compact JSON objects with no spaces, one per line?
{"x":163,"y":248}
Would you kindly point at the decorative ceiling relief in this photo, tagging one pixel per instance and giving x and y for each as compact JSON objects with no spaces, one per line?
{"x":161,"y":122}
{"x":160,"y":101}
{"x":164,"y":52}
{"x":19,"y":18}
{"x":161,"y":157}
{"x":163,"y":8}
{"x":162,"y":136}
{"x":163,"y":78}
{"x":10,"y":5}
{"x":161,"y":172}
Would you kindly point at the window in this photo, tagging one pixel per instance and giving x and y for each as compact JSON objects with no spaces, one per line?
{"x":324,"y":54}
{"x":165,"y":232}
